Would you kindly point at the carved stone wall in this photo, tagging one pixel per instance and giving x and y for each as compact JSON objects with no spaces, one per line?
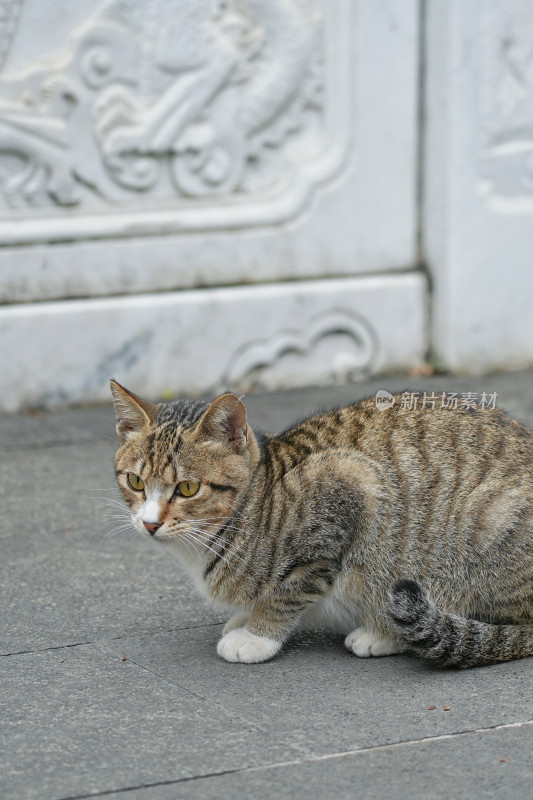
{"x":506,"y":99}
{"x":478,"y":210}
{"x":152,"y":148}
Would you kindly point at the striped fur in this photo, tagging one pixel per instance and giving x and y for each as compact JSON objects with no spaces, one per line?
{"x":324,"y":522}
{"x":449,"y":640}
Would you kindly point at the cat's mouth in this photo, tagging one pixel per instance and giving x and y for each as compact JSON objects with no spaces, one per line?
{"x":162,"y":536}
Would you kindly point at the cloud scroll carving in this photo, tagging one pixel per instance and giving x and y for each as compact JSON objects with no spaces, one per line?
{"x":332,"y":347}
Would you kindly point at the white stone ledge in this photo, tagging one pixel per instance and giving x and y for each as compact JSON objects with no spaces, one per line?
{"x":179,"y":343}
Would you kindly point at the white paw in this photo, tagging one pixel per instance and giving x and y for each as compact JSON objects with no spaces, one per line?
{"x":237,"y":621}
{"x":365,"y":644}
{"x":241,"y":645}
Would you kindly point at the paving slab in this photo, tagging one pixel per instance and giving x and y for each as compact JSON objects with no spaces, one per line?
{"x":77,"y":721}
{"x":315,"y":680}
{"x":477,"y":764}
{"x":53,"y":429}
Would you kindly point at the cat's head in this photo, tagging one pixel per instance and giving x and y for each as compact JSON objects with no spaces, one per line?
{"x":182,"y":466}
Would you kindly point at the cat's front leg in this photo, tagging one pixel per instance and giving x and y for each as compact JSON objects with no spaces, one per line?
{"x":237,"y":621}
{"x":269,"y":624}
{"x":240,"y":644}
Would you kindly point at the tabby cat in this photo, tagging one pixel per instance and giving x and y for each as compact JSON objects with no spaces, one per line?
{"x":412,"y":529}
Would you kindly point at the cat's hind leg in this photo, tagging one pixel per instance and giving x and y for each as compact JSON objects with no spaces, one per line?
{"x":365,"y":643}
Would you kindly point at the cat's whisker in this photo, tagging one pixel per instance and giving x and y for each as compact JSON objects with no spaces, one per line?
{"x":113,"y":505}
{"x":117,"y":514}
{"x":194,"y":541}
{"x":220,"y":521}
{"x":185,"y":542}
{"x":109,"y":501}
{"x":110,"y":526}
{"x":191,"y":543}
{"x":111,"y":438}
{"x":127,"y":529}
{"x":214,"y":537}
{"x":219,"y":543}
{"x":122,"y":534}
{"x":204,"y":544}
{"x":121,"y":523}
{"x":113,"y":523}
{"x":124,"y":530}
{"x":215,"y":525}
{"x":224,"y":544}
{"x":229,"y":551}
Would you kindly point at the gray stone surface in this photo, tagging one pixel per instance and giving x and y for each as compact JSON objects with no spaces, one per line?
{"x":173,"y":720}
{"x":461,"y":767}
{"x":76,"y":721}
{"x":329,"y":700}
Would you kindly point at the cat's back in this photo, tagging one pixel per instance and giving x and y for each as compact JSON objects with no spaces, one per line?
{"x":443,"y":489}
{"x":415,"y":437}
{"x":471,"y":438}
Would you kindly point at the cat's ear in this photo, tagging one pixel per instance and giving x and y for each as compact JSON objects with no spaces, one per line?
{"x":133,"y":414}
{"x":225,"y":422}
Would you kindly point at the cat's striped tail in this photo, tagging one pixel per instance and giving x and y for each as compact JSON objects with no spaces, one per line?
{"x":449,"y":640}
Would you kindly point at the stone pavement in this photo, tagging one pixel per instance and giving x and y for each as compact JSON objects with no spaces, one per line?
{"x":111,"y":687}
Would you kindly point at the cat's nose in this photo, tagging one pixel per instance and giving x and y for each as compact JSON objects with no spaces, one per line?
{"x":151,"y":527}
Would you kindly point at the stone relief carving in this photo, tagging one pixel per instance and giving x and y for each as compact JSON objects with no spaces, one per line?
{"x":9,"y":11}
{"x":507,"y":98}
{"x":192,"y":101}
{"x":334,"y":346}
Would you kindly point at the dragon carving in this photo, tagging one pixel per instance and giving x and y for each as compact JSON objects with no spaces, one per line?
{"x":160,"y":97}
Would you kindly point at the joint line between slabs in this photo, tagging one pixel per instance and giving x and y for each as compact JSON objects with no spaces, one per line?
{"x":100,"y":643}
{"x":297,"y":762}
{"x":44,"y":649}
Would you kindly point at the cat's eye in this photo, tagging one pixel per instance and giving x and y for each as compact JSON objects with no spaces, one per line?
{"x":135,"y":482}
{"x":188,"y":488}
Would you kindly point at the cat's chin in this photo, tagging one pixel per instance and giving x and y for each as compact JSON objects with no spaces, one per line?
{"x":179,"y":543}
